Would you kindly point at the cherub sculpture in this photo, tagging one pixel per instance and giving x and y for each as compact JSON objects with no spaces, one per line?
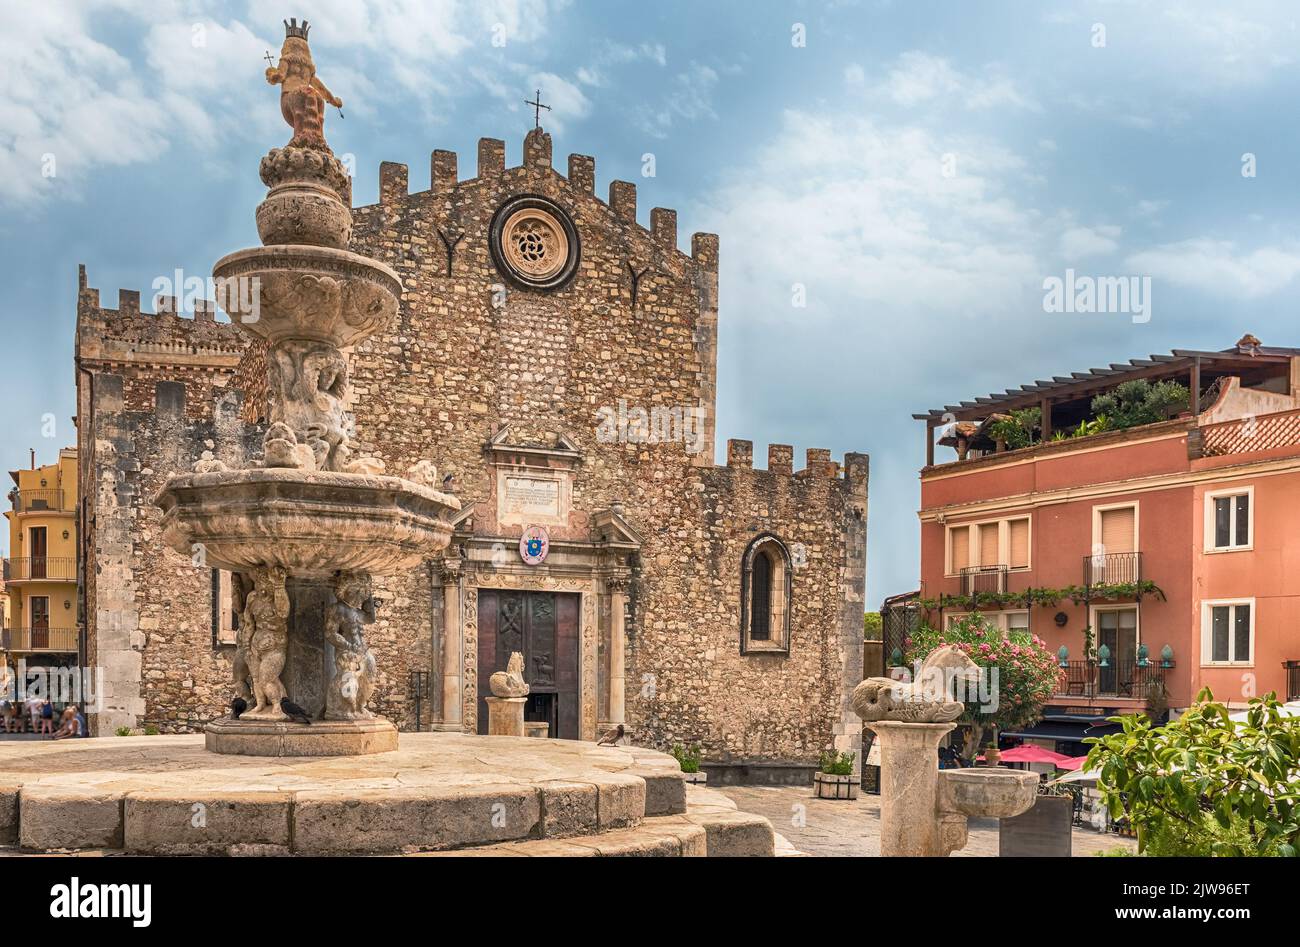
{"x":302,"y":95}
{"x":928,"y":699}
{"x":352,"y":678}
{"x":266,"y":617}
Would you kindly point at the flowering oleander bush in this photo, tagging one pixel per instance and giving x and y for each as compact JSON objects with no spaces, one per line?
{"x":1027,"y":673}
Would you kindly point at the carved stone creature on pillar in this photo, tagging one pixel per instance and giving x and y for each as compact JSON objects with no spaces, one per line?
{"x":928,"y":699}
{"x":353,"y":669}
{"x":266,"y":617}
{"x":510,"y":682}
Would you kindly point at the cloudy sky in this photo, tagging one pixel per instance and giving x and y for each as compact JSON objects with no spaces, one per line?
{"x":910,"y":171}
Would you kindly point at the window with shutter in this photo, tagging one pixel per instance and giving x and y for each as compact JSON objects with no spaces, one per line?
{"x":960,"y":537}
{"x":1119,"y":530}
{"x":989,"y":544}
{"x":1019,"y":543}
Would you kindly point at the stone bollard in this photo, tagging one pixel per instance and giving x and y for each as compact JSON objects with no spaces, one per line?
{"x":506,"y":716}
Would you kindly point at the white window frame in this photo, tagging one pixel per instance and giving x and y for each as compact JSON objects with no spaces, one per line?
{"x":1106,"y":507}
{"x":1210,"y":497}
{"x":997,"y":618}
{"x":1004,"y":543}
{"x":1207,"y":631}
{"x":1095,"y":610}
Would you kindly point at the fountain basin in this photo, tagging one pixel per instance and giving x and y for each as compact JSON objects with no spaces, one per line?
{"x":987,"y":792}
{"x":307,"y":293}
{"x":314,"y":524}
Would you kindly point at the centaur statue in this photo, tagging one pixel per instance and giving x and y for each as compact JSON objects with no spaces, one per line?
{"x":928,"y":699}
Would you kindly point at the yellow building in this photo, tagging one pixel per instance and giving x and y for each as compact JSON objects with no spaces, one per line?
{"x":40,"y":575}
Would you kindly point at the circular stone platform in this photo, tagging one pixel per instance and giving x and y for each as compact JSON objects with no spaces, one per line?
{"x":248,"y":737}
{"x":169,"y":795}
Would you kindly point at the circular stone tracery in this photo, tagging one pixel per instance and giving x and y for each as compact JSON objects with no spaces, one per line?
{"x":534,"y":243}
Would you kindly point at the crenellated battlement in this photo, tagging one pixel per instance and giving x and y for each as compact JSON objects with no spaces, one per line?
{"x":394,"y":188}
{"x":817,"y":463}
{"x":165,"y":336}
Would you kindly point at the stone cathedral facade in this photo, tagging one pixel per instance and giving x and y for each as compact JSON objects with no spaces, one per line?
{"x":558,"y":361}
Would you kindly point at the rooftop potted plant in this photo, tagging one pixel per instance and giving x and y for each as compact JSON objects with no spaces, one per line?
{"x":834,"y":778}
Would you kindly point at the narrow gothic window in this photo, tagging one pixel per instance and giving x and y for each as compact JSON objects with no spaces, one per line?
{"x":766,"y":575}
{"x":760,"y":598}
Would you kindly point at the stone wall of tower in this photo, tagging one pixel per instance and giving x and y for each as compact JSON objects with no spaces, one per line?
{"x":153,"y":393}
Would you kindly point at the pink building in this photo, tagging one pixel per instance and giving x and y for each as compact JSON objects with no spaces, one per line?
{"x":1173,"y":543}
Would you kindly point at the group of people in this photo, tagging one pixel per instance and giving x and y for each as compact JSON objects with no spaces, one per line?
{"x":37,"y":715}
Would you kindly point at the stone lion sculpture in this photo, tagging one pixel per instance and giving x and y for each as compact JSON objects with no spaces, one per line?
{"x":928,"y":699}
{"x":510,"y":682}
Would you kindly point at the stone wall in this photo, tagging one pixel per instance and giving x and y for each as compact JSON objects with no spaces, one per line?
{"x":152,"y":394}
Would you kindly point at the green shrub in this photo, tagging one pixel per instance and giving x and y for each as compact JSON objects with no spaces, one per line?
{"x":1205,"y":784}
{"x":151,"y":731}
{"x":688,"y":760}
{"x":123,"y":731}
{"x":1136,"y":402}
{"x":836,"y":764}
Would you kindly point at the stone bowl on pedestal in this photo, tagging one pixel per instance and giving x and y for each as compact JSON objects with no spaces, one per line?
{"x":989,"y":793}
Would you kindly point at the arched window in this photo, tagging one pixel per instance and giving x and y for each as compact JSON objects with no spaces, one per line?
{"x":765,"y":597}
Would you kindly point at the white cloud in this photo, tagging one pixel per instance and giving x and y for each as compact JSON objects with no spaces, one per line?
{"x":919,"y":78}
{"x":690,"y":99}
{"x":864,"y":213}
{"x":1080,"y":242}
{"x":1219,"y":268}
{"x":565,"y":99}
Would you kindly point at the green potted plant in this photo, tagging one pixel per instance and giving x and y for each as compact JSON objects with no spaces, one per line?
{"x":689,"y":761}
{"x":834,"y":778}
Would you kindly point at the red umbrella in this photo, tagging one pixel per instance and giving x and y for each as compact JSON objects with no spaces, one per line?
{"x":1028,"y":753}
{"x":1072,"y":764}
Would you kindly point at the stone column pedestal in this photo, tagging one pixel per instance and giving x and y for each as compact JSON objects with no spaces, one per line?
{"x":909,"y":787}
{"x":506,"y":716}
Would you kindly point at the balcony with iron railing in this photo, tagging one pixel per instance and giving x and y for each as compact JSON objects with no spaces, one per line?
{"x":39,"y":639}
{"x":977,"y":579}
{"x":37,"y":501}
{"x":1115,"y":568}
{"x":41,"y":569}
{"x":1135,"y":679}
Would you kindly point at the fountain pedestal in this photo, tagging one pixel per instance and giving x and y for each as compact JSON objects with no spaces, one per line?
{"x":923,"y":809}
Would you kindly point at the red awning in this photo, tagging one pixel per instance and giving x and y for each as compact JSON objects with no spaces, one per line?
{"x":1073,"y":763}
{"x":1028,"y":753}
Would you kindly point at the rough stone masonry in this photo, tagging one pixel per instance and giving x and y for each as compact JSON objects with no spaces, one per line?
{"x":559,"y":362}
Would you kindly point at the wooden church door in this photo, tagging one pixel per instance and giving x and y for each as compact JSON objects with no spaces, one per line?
{"x":543,"y":626}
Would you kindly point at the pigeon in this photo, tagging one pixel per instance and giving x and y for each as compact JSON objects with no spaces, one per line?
{"x":293,"y":711}
{"x":612,"y":737}
{"x":237,"y":707}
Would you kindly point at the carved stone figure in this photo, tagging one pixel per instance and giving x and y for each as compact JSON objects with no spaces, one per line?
{"x":240,"y":586}
{"x":510,"y":682}
{"x":425,"y":474}
{"x":266,"y":615}
{"x":302,"y":94}
{"x":928,"y":699}
{"x":352,"y":675}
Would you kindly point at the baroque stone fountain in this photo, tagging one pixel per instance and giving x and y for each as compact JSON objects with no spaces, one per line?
{"x":304,"y":528}
{"x":923,"y":809}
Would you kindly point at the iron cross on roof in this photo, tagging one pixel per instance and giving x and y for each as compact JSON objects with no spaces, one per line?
{"x":537,"y":108}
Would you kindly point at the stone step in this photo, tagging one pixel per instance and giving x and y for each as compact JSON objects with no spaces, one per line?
{"x":711,"y":826}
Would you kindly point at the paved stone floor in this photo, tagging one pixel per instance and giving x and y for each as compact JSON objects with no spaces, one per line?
{"x":830,"y":827}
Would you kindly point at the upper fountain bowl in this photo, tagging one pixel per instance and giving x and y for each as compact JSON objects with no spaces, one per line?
{"x":989,"y":792}
{"x":307,"y":292}
{"x":312,"y":523}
